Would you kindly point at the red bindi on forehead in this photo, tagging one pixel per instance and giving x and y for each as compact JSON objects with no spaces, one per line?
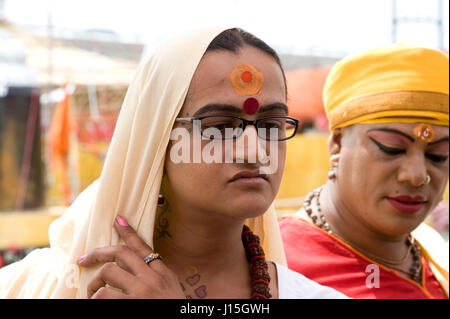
{"x":251,"y":106}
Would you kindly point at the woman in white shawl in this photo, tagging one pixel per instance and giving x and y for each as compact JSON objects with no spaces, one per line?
{"x":103,"y":246}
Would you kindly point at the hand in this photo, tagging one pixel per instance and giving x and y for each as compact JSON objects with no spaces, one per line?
{"x":126,"y":270}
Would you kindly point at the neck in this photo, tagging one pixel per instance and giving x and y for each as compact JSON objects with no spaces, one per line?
{"x":352,"y":229}
{"x":204,"y":252}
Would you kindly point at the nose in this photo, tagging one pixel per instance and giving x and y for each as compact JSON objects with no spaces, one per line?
{"x":413,"y":170}
{"x":249,"y":147}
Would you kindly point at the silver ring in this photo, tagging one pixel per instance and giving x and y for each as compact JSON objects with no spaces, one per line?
{"x":151,"y":257}
{"x":428,"y":180}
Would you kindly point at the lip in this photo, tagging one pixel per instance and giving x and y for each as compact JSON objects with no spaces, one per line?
{"x":406,"y":203}
{"x":249,"y":178}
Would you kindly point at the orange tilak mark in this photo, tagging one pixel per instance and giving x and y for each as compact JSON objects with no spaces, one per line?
{"x":246,"y":79}
{"x":246,"y":76}
{"x":424,"y":132}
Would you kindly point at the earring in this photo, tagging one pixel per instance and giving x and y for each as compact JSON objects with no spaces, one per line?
{"x":161,"y":200}
{"x":334,"y":159}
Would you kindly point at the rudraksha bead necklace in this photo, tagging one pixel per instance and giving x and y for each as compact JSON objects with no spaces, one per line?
{"x":259,"y":270}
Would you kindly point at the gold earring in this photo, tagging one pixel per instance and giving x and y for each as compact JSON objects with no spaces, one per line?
{"x":334,"y":159}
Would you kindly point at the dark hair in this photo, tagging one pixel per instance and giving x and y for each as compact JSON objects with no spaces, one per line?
{"x":234,"y":39}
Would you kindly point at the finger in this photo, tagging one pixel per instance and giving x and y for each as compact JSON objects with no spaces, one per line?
{"x":109,"y":293}
{"x":112,"y":275}
{"x":131,"y":238}
{"x":122,"y":255}
{"x":133,"y":241}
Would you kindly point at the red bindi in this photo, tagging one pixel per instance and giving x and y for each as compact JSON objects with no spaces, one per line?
{"x":246,"y":76}
{"x":251,"y":105}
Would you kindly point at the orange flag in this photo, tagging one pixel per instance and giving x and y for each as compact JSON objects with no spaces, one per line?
{"x":59,"y":142}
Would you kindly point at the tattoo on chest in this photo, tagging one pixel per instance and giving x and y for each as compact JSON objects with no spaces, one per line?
{"x":192,"y":285}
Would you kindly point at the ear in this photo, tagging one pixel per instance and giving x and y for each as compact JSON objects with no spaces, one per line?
{"x":335,"y":141}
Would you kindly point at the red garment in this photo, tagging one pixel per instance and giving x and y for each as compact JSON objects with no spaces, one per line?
{"x":331,"y":262}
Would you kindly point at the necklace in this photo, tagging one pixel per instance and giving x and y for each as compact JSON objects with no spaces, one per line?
{"x":319,"y":220}
{"x":259,"y":270}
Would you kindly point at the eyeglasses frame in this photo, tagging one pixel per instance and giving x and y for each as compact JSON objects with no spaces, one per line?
{"x":245,"y":123}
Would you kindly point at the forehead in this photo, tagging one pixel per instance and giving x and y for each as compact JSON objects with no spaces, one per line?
{"x":211,"y":82}
{"x":407,"y":128}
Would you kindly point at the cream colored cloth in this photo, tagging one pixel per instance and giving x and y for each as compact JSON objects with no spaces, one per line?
{"x":130,"y":181}
{"x":293,"y":285}
{"x":435,"y":250}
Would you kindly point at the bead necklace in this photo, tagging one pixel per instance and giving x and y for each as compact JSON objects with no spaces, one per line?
{"x":258,"y":266}
{"x":319,"y":220}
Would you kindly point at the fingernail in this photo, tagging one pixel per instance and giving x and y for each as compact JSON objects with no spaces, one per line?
{"x":121,"y":221}
{"x":82,"y":258}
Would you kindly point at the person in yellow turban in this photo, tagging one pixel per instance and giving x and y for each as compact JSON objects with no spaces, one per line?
{"x":363,"y":231}
{"x":159,"y":224}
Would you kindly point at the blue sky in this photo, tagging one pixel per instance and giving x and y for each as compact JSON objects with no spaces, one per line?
{"x":321,"y":27}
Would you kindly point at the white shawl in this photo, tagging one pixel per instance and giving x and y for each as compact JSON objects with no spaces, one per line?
{"x":130,"y":181}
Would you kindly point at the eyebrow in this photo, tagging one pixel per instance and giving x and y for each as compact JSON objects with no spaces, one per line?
{"x":441,"y":140}
{"x":273,"y":106}
{"x":406,"y":135}
{"x":233,"y":109}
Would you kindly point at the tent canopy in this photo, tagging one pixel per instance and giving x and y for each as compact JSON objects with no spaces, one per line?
{"x":304,"y":88}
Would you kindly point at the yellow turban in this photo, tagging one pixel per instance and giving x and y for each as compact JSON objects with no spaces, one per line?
{"x":398,"y":83}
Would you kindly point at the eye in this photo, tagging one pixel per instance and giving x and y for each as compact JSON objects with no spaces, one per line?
{"x":388,"y":150}
{"x":221,"y":123}
{"x":270,"y":124}
{"x":436,"y":158}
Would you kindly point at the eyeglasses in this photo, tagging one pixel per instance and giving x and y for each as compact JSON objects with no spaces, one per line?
{"x":223,"y":127}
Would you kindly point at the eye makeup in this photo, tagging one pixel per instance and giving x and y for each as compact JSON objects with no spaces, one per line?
{"x":386,"y":149}
{"x":389,"y":139}
{"x":436,"y":158}
{"x":438,"y":152}
{"x":394,"y":143}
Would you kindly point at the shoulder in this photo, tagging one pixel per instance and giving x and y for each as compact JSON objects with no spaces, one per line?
{"x":296,"y":229}
{"x":299,"y":219}
{"x":293,"y":285}
{"x":295,"y":221}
